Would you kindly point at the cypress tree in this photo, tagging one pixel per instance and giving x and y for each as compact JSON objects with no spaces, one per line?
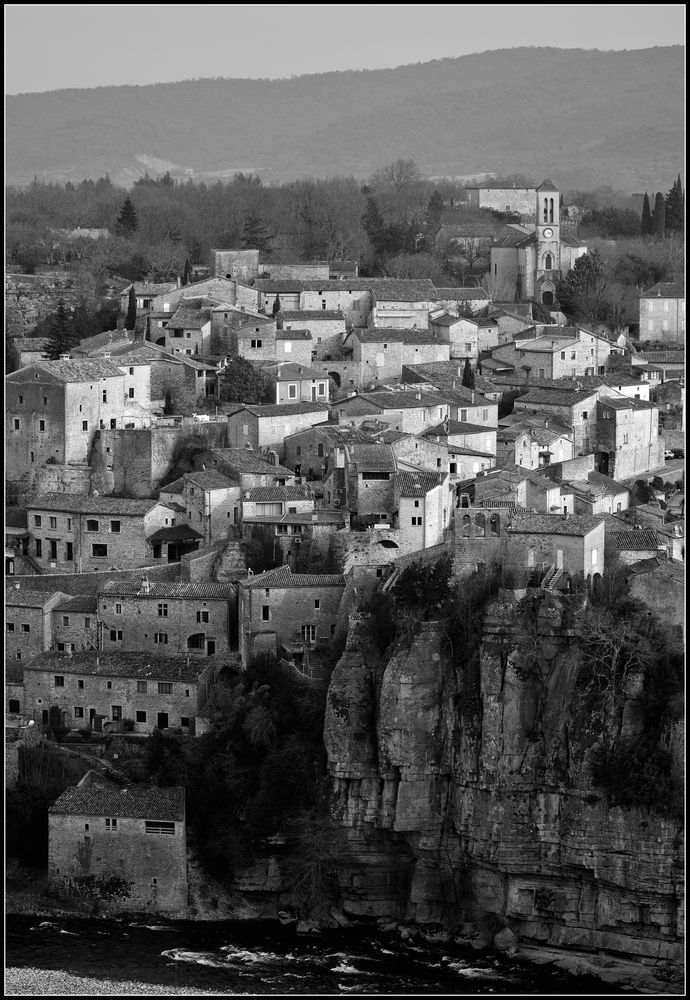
{"x":61,"y":337}
{"x":131,"y":320}
{"x":646,"y":223}
{"x":468,"y":375}
{"x":276,"y":306}
{"x":659,"y":216}
{"x":675,"y":207}
{"x":187,"y":273}
{"x":127,"y":221}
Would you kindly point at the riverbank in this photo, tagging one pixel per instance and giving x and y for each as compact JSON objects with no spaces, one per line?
{"x":48,"y":982}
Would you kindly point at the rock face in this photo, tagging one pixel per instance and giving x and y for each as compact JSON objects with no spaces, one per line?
{"x":468,"y":794}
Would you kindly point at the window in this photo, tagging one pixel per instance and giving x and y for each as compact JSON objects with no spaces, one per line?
{"x":131,"y":371}
{"x":161,"y":638}
{"x":416,"y":503}
{"x":69,"y":552}
{"x":92,"y":525}
{"x":298,"y":450}
{"x":416,"y":522}
{"x":41,"y":425}
{"x":115,"y":527}
{"x":80,"y":685}
{"x":52,"y":521}
{"x":20,"y":399}
{"x":59,"y":681}
{"x":463,"y":415}
{"x":157,"y":551}
{"x":317,"y":604}
{"x":53,"y":548}
{"x":159,"y":826}
{"x":85,"y":425}
{"x":202,"y":616}
{"x":78,"y":712}
{"x":116,"y":635}
{"x":184,"y":721}
{"x":573,"y":355}
{"x":292,"y":392}
{"x":37,"y":520}
{"x":265,"y":613}
{"x":65,"y":619}
{"x":142,"y":687}
{"x":130,"y":392}
{"x":110,"y":824}
{"x":468,"y":348}
{"x":99,"y":551}
{"x":562,"y":355}
{"x":69,"y":523}
{"x":595,"y":557}
{"x":140,"y":716}
{"x":309,"y":633}
{"x":16,"y":424}
{"x":39,"y":548}
{"x":322,"y":389}
{"x":109,"y":685}
{"x":288,"y":347}
{"x":26,"y":628}
{"x":105,"y":395}
{"x":625,"y":439}
{"x":118,"y":609}
{"x":257,"y":343}
{"x":162,"y":610}
{"x":10,"y":626}
{"x":164,"y":687}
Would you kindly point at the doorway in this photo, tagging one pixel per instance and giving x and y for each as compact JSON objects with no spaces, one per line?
{"x":162,"y":722}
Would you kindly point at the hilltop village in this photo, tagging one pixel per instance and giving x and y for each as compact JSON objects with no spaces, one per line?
{"x":254,"y":456}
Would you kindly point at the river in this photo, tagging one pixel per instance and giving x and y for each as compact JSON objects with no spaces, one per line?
{"x":124,"y":957}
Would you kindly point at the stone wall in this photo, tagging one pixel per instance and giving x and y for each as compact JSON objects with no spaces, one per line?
{"x":29,"y":298}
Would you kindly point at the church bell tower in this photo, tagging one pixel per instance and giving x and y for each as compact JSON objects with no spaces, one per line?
{"x":548,"y":265}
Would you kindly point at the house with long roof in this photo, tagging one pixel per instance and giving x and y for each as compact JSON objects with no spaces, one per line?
{"x":382,"y":352}
{"x":405,"y":410}
{"x":266,"y":427}
{"x":662,"y":312}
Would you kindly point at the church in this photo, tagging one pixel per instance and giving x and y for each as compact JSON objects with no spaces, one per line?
{"x":530,"y":260}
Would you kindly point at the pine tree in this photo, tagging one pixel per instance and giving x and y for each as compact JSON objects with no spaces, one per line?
{"x":131,"y":320}
{"x":675,"y":208}
{"x":255,"y":235}
{"x":646,"y":223}
{"x":434,"y":210}
{"x":468,"y":375}
{"x":61,"y":338}
{"x":373,"y":224}
{"x":659,"y":216}
{"x":127,"y":222}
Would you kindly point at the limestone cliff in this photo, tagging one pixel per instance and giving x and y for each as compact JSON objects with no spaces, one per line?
{"x":467,"y":794}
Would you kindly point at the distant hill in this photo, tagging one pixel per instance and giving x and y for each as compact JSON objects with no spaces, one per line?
{"x":583,"y":117}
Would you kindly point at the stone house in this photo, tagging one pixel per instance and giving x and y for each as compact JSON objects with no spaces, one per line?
{"x":574,"y":408}
{"x":664,"y":364}
{"x":460,"y":332}
{"x":470,"y":448}
{"x":478,"y":405}
{"x":327,"y":328}
{"x":146,"y":293}
{"x":408,"y":411}
{"x":233,"y":329}
{"x":266,"y":427}
{"x":182,"y":618}
{"x":285,"y":613}
{"x":288,"y":532}
{"x":670,"y":398}
{"x":294,"y":345}
{"x":74,"y":624}
{"x":662,"y":312}
{"x":240,"y":265}
{"x":273,"y":501}
{"x":461,"y":299}
{"x":422,"y":501}
{"x":53,"y":410}
{"x":212,"y":504}
{"x":97,"y":830}
{"x":629,"y":547}
{"x":628,"y":441}
{"x":69,"y":533}
{"x":294,"y":382}
{"x":319,"y":449}
{"x":672,"y":537}
{"x":573,"y":545}
{"x":103,"y":688}
{"x":246,"y":468}
{"x":381,"y":353}
{"x":511,"y":200}
{"x":532,"y":441}
{"x":28,"y":623}
{"x":401,"y":304}
{"x":179,"y":375}
{"x":25,"y":351}
{"x":370,"y":477}
{"x":551,"y":352}
{"x":599,"y":494}
{"x":188,"y":331}
{"x":212,"y":290}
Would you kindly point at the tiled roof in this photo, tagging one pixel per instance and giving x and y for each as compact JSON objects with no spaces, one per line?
{"x":554,"y":397}
{"x":263,"y":493}
{"x":313,"y":314}
{"x":86,"y":603}
{"x":293,"y":335}
{"x":388,"y":289}
{"x":30,"y":343}
{"x":383,"y":335}
{"x":411,"y":484}
{"x":244,"y":460}
{"x":286,"y":409}
{"x":176,"y":487}
{"x":210,"y":480}
{"x":77,"y":504}
{"x":446,"y":319}
{"x":132,"y":802}
{"x":457,"y":427}
{"x":283,"y":370}
{"x":180,"y":589}
{"x":143,"y":666}
{"x":460,"y":294}
{"x":189,"y":318}
{"x":145,"y":351}
{"x":665,"y":290}
{"x":152,"y":287}
{"x":660,"y":357}
{"x":625,"y":403}
{"x":87,"y":370}
{"x":177,"y":533}
{"x":553,"y":524}
{"x":406,"y":400}
{"x":639,"y":540}
{"x":26,"y":598}
{"x":283,"y":577}
{"x":373,"y":457}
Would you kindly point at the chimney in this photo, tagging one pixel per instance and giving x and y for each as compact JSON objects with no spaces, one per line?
{"x":459,"y":371}
{"x":546,"y":425}
{"x":145,"y":585}
{"x":179,"y":281}
{"x":473,"y":397}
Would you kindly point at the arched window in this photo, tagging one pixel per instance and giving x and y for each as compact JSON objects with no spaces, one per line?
{"x":550,"y":209}
{"x":495,"y":524}
{"x":480,"y":525}
{"x":546,"y":209}
{"x":466,"y":525}
{"x":548,"y":262}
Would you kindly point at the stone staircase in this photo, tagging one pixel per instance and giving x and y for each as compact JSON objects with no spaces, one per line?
{"x":551,"y":578}
{"x":230,"y":565}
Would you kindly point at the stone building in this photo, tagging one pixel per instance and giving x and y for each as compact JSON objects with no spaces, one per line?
{"x":422,"y":502}
{"x":381,"y":353}
{"x":512,"y":200}
{"x":235,"y":264}
{"x":533,"y":441}
{"x":294,"y":382}
{"x":327,"y":329}
{"x":285,"y":613}
{"x":97,"y":830}
{"x":268,"y":426}
{"x":551,"y":352}
{"x":102,"y":688}
{"x":74,"y":624}
{"x":168,"y":618}
{"x":628,"y":441}
{"x":407,"y":411}
{"x":319,"y":449}
{"x":74,"y":534}
{"x":563,"y":545}
{"x":212,"y":504}
{"x":662,"y":313}
{"x":188,"y":331}
{"x":28,"y":623}
{"x":145,"y":294}
{"x":574,"y":408}
{"x":271,"y":501}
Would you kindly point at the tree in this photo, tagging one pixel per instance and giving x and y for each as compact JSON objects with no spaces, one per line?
{"x":659,"y":216}
{"x":675,"y":208}
{"x":276,"y":305}
{"x":255,"y":235}
{"x":583,"y":291}
{"x":187,"y":273}
{"x":434,"y":210}
{"x":61,"y":338}
{"x":127,"y":221}
{"x":468,"y":375}
{"x":646,"y":222}
{"x":131,"y":320}
{"x":241,"y":382}
{"x":374,"y":227}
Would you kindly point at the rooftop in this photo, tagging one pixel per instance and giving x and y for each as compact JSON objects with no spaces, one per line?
{"x":81,"y":603}
{"x":209,"y":480}
{"x":64,"y":372}
{"x":554,"y":524}
{"x":244,"y":460}
{"x":665,"y":290}
{"x":412,"y":484}
{"x":285,"y":409}
{"x":383,"y":335}
{"x":177,"y":533}
{"x":639,"y":540}
{"x":26,"y":598}
{"x":142,"y":666}
{"x":312,"y":314}
{"x":460,"y":294}
{"x":77,"y":504}
{"x":260,"y":494}
{"x":283,"y":578}
{"x":178,"y":589}
{"x":133,"y":802}
{"x":372,"y":457}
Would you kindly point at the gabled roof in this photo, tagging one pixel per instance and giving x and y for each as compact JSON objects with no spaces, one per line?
{"x":547,"y":185}
{"x":313,"y":314}
{"x":65,"y":372}
{"x":465,"y":293}
{"x":526,"y":522}
{"x":283,"y":578}
{"x":456,"y":427}
{"x":243,"y":460}
{"x":267,"y":493}
{"x":383,"y":335}
{"x":176,"y":487}
{"x":151,"y":287}
{"x":80,"y":604}
{"x":77,"y":504}
{"x":284,"y":371}
{"x":133,"y":802}
{"x":554,"y":397}
{"x":177,"y":533}
{"x":293,"y":335}
{"x":406,"y":400}
{"x":372,"y":457}
{"x":26,"y":598}
{"x":282,"y":409}
{"x":639,"y":540}
{"x":665,"y":290}
{"x":178,"y":589}
{"x":189,"y":318}
{"x":209,"y":480}
{"x":143,"y":666}
{"x":414,"y":484}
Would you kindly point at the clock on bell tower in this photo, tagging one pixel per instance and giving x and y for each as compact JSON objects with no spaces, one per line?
{"x":548,"y":263}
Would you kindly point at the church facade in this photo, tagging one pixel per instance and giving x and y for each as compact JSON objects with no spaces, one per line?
{"x":528,"y":262}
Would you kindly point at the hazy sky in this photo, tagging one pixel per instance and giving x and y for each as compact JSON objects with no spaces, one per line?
{"x":51,"y":46}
